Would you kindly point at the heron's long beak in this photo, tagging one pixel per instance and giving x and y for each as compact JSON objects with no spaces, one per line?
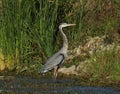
{"x":71,"y":24}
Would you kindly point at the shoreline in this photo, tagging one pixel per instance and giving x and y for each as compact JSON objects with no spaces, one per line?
{"x":83,"y":81}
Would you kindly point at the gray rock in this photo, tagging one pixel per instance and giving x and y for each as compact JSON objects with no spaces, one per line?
{"x":70,"y":70}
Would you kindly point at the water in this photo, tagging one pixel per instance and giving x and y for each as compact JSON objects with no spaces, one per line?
{"x":27,"y":85}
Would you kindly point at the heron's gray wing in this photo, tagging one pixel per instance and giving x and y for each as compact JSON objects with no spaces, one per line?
{"x":52,"y":62}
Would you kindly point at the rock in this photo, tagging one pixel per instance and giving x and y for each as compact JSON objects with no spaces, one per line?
{"x":81,"y":69}
{"x":68,"y":71}
{"x":92,"y":46}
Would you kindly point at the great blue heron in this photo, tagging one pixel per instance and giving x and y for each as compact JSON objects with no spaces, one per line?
{"x":58,"y":58}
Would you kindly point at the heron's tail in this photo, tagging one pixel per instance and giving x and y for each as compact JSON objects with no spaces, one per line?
{"x":43,"y":71}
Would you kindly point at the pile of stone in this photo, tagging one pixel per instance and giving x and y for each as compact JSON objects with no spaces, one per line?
{"x":92,"y":46}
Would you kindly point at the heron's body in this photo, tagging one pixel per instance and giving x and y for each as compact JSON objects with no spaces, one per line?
{"x":58,"y":58}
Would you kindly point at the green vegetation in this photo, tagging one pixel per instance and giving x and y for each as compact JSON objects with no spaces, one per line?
{"x":105,"y":65}
{"x":29,"y":30}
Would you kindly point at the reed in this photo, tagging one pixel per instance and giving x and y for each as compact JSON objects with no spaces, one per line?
{"x":27,"y":29}
{"x":12,"y":37}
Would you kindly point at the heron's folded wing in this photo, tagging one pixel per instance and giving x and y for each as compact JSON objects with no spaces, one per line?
{"x":53,"y":61}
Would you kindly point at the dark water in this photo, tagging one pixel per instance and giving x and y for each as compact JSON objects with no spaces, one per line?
{"x":27,"y":85}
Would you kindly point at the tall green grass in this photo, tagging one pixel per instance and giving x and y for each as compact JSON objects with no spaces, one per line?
{"x":27,"y":29}
{"x":13,"y":38}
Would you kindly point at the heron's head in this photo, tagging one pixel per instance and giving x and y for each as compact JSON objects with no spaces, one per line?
{"x":65,"y":25}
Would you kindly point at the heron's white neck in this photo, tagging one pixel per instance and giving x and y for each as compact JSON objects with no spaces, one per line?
{"x":65,"y":41}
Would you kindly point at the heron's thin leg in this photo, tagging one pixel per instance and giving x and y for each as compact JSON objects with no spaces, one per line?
{"x":55,"y":72}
